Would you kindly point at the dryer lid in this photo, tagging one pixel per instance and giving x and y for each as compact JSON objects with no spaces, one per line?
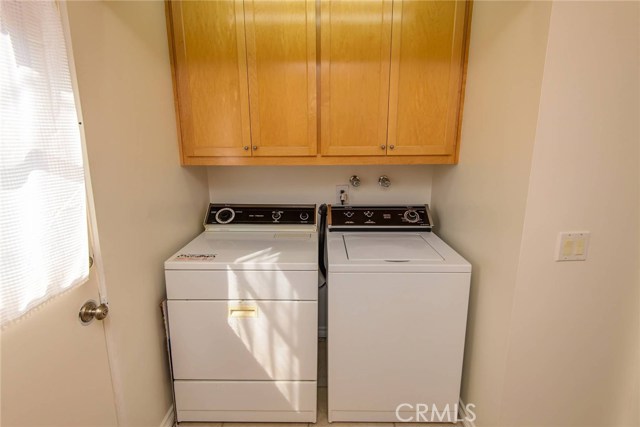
{"x":396,"y":247}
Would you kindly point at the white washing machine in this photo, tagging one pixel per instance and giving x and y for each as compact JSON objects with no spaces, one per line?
{"x":397,"y":312}
{"x":242,"y":315}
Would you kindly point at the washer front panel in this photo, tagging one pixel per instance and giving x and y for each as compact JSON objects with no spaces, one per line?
{"x":394,"y":339}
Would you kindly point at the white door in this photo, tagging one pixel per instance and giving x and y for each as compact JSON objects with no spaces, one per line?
{"x":55,"y":370}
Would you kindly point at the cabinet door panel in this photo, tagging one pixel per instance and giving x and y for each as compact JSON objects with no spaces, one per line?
{"x":426,"y":76}
{"x":355,"y":59}
{"x":281,"y":56}
{"x":210,"y":53}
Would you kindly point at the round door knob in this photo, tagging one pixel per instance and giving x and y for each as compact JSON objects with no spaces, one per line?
{"x":392,"y":147}
{"x":255,"y":147}
{"x":246,"y":148}
{"x":90,"y":310}
{"x":382,"y":147}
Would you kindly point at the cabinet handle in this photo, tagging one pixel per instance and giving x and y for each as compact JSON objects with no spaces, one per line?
{"x":246,"y":148}
{"x":382,"y":147}
{"x":392,"y":147}
{"x":255,"y":147}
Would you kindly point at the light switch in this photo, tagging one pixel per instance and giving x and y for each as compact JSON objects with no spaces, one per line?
{"x":567,"y":248}
{"x":572,"y":246}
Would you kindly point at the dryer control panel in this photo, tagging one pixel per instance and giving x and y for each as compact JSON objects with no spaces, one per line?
{"x":219,"y":214}
{"x":379,"y":218}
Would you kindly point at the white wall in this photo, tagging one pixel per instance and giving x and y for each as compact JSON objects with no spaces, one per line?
{"x":317,"y":184}
{"x":573,"y":357}
{"x":480,"y":203}
{"x":147,"y":206}
{"x":550,"y":344}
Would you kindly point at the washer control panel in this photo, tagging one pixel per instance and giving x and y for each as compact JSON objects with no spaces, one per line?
{"x":380,"y":218}
{"x":260,"y":214}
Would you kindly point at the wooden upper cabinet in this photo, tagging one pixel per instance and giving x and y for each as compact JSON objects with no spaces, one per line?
{"x":211,"y":77}
{"x":355,"y":44}
{"x":427,"y":53}
{"x":281,"y":57}
{"x":391,"y":80}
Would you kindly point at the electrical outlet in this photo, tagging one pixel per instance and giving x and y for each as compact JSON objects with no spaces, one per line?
{"x":340,"y":190}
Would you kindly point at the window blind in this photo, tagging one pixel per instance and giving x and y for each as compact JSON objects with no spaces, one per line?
{"x":43,"y":217}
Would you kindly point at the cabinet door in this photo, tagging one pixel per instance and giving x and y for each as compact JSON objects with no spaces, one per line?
{"x":281,"y":56}
{"x":211,"y":77}
{"x":355,"y":43}
{"x":426,"y":76}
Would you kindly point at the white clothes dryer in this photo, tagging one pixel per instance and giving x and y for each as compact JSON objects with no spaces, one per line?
{"x":242,"y":308}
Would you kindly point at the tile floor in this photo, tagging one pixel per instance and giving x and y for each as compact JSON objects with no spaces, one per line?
{"x":322,"y":407}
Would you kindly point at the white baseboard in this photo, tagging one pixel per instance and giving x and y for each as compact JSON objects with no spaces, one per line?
{"x":322,"y":331}
{"x":467,"y":419}
{"x":169,"y":418}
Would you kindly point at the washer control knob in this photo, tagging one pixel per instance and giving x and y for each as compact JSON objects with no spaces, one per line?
{"x":411,"y":216}
{"x":304,"y":216}
{"x":276,"y":215}
{"x":225,"y":215}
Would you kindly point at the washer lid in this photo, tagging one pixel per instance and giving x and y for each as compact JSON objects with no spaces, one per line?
{"x":398,"y":248}
{"x":387,"y":252}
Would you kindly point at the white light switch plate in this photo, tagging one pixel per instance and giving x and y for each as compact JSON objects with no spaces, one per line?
{"x":572,"y":246}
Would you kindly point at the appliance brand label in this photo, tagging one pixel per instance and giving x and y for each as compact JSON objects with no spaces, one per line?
{"x":195,"y":257}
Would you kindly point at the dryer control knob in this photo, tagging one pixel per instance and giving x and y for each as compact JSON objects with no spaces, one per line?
{"x":411,"y":216}
{"x":225,"y":215}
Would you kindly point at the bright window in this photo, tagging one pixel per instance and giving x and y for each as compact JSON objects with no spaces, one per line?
{"x":43,"y":216}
